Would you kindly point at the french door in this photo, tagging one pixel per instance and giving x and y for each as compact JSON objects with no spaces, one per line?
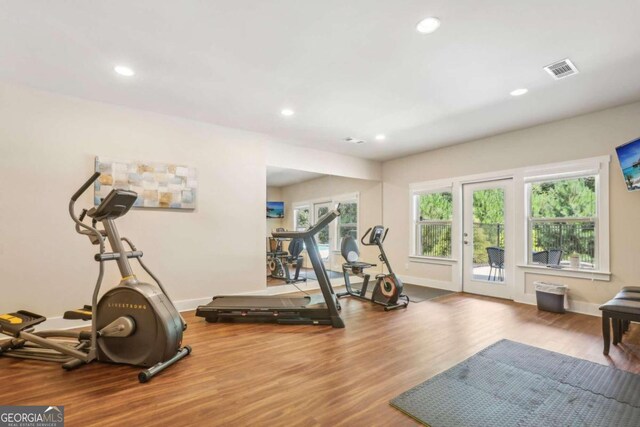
{"x":487,"y":238}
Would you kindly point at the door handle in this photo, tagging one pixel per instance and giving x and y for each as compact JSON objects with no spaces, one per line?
{"x":466,"y":242}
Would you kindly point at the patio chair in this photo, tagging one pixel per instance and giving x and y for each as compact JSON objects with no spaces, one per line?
{"x":496,"y":261}
{"x":541,"y":257}
{"x":555,"y":256}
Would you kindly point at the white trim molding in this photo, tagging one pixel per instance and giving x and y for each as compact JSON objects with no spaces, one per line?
{"x":432,"y":260}
{"x":521,"y":177}
{"x":604,"y":276}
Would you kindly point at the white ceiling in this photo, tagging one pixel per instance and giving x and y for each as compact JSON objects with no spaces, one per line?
{"x":348,"y":68}
{"x":280,"y":177}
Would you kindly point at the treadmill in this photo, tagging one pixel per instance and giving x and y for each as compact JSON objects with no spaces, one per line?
{"x":323,"y":309}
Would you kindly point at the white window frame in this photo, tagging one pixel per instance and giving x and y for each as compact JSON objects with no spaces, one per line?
{"x":595,"y":165}
{"x":345,"y":198}
{"x":424,"y":189}
{"x":598,"y":168}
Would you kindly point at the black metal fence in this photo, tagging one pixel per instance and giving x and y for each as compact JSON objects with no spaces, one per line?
{"x":570,"y":237}
{"x":484,"y":236}
{"x":435,"y":239}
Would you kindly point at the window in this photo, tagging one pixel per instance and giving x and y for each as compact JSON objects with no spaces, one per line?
{"x":433,"y":213}
{"x":563,"y":221}
{"x":301,"y":218}
{"x":347,"y":221}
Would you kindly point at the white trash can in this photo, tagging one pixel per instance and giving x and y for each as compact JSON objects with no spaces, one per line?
{"x":551,"y":297}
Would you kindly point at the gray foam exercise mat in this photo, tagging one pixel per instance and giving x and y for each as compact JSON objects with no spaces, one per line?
{"x":513,"y":384}
{"x":415,"y":293}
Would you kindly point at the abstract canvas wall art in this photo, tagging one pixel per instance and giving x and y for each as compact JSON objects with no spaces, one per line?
{"x":159,"y":185}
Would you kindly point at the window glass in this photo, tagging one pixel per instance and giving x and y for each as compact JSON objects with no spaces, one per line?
{"x":563,"y":222}
{"x":433,"y":224}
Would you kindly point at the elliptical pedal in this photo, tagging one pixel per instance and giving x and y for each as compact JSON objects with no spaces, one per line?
{"x":14,"y":323}
{"x":83,"y":313}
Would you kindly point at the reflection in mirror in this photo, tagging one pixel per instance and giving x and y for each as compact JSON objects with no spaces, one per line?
{"x":306,"y":197}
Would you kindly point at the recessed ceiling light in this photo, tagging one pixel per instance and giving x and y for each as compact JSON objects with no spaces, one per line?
{"x":124,"y":71}
{"x":380,"y":137}
{"x":428,"y":25}
{"x":287,"y":112}
{"x":519,"y":92}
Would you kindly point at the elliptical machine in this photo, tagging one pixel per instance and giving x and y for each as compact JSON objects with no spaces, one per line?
{"x":134,"y":323}
{"x":387,"y":291}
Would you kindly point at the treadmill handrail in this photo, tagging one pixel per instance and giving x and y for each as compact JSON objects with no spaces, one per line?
{"x":315,"y":229}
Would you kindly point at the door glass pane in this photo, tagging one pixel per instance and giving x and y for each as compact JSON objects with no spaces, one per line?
{"x":322,"y":238}
{"x":488,"y":235}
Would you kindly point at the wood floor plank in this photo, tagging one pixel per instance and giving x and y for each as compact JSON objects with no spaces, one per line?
{"x":262,"y":374}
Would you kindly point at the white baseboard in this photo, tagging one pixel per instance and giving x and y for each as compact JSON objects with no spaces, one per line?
{"x":438,"y":284}
{"x":59,"y":323}
{"x":191,"y":304}
{"x":581,"y":307}
{"x":309,"y":285}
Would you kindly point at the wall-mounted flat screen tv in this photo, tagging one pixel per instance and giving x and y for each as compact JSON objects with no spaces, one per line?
{"x":275,"y":209}
{"x":629,"y":158}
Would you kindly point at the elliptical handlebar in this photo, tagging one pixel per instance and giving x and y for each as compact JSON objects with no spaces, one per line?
{"x":315,"y":229}
{"x":80,"y":225}
{"x":86,"y":185}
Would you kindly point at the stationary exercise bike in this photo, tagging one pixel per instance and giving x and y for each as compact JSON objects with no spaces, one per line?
{"x":387,"y":291}
{"x":134,"y":323}
{"x":280,"y":261}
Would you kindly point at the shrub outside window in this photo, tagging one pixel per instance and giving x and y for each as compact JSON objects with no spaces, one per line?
{"x":563,"y":221}
{"x":433,"y":222}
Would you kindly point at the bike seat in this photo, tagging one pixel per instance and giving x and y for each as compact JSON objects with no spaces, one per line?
{"x":358,"y":264}
{"x":14,"y":323}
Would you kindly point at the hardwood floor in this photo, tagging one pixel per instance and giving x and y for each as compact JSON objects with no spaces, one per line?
{"x":252,"y":374}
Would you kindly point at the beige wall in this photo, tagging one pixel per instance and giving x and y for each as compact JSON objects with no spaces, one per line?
{"x":370,"y":205}
{"x":579,"y":137}
{"x":47,"y":148}
{"x":48,"y":144}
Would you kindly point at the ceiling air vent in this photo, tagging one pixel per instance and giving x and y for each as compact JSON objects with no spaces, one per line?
{"x":354,"y":140}
{"x":561,"y":69}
